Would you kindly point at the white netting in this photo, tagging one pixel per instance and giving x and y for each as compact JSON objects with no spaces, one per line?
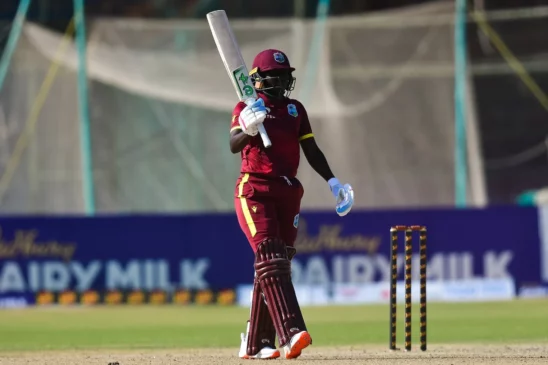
{"x":39,"y":146}
{"x":381,"y":106}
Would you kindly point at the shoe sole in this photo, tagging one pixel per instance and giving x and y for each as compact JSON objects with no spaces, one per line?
{"x":275,"y":355}
{"x":303,"y":342}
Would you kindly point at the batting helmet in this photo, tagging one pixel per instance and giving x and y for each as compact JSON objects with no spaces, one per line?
{"x":271,"y":59}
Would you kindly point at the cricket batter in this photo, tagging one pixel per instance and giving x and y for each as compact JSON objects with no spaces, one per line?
{"x":268,"y":198}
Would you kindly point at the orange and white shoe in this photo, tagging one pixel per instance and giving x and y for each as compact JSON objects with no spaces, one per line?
{"x":266,"y":353}
{"x":297,"y":344}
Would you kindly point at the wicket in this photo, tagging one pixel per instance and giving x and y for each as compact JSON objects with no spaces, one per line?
{"x":394,"y":279}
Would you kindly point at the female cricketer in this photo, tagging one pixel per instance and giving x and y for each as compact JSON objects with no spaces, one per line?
{"x":267,"y":201}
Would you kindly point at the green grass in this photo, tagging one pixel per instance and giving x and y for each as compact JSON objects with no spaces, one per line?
{"x":519,"y":321}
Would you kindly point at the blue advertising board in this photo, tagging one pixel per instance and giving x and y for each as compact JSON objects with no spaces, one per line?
{"x":462,"y":244}
{"x":166,"y":252}
{"x":137,"y":252}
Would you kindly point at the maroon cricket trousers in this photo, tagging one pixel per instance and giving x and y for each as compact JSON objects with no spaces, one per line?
{"x":268,"y":207}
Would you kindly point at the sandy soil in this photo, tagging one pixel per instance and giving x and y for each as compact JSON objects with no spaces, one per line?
{"x":436,"y":354}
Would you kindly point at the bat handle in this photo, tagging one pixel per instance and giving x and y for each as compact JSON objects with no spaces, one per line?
{"x":266,"y":141}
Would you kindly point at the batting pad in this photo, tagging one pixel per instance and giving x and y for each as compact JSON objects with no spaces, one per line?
{"x":273,"y":270}
{"x":261,"y":329}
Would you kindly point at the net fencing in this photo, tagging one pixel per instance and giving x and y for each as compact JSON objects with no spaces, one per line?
{"x":380,"y":103}
{"x":39,"y":147}
{"x":508,"y":61}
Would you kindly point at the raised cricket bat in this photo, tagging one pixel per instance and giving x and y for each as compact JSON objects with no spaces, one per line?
{"x":234,"y":62}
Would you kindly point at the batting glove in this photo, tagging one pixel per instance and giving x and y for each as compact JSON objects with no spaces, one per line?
{"x":344,"y":195}
{"x":252,"y":115}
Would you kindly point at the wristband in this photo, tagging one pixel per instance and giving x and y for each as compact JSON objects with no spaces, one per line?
{"x":333,"y":182}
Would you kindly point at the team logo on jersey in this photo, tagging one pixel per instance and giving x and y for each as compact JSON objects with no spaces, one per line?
{"x":296,"y":221}
{"x":292,"y":110}
{"x":279,"y":57}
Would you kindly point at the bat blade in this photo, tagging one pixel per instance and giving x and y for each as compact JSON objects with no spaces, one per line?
{"x":234,"y":63}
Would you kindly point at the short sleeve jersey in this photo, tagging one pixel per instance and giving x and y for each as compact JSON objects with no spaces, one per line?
{"x":286,"y":124}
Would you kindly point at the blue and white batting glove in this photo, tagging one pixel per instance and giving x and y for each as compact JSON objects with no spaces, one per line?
{"x":252,"y":115}
{"x":344,"y":195}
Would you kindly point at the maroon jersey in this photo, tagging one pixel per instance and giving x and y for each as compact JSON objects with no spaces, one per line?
{"x":287,"y":125}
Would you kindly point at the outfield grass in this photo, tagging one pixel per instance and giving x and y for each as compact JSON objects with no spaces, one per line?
{"x":519,"y":321}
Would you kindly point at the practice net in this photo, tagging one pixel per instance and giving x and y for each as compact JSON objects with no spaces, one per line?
{"x":380,"y":99}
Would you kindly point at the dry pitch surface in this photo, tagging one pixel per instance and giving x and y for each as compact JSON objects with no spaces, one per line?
{"x":437,"y":354}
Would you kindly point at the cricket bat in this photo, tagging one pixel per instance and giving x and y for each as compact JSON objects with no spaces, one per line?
{"x":230,"y":53}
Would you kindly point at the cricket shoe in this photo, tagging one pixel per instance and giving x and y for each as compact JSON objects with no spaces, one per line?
{"x":266,"y":353}
{"x":297,"y":344}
